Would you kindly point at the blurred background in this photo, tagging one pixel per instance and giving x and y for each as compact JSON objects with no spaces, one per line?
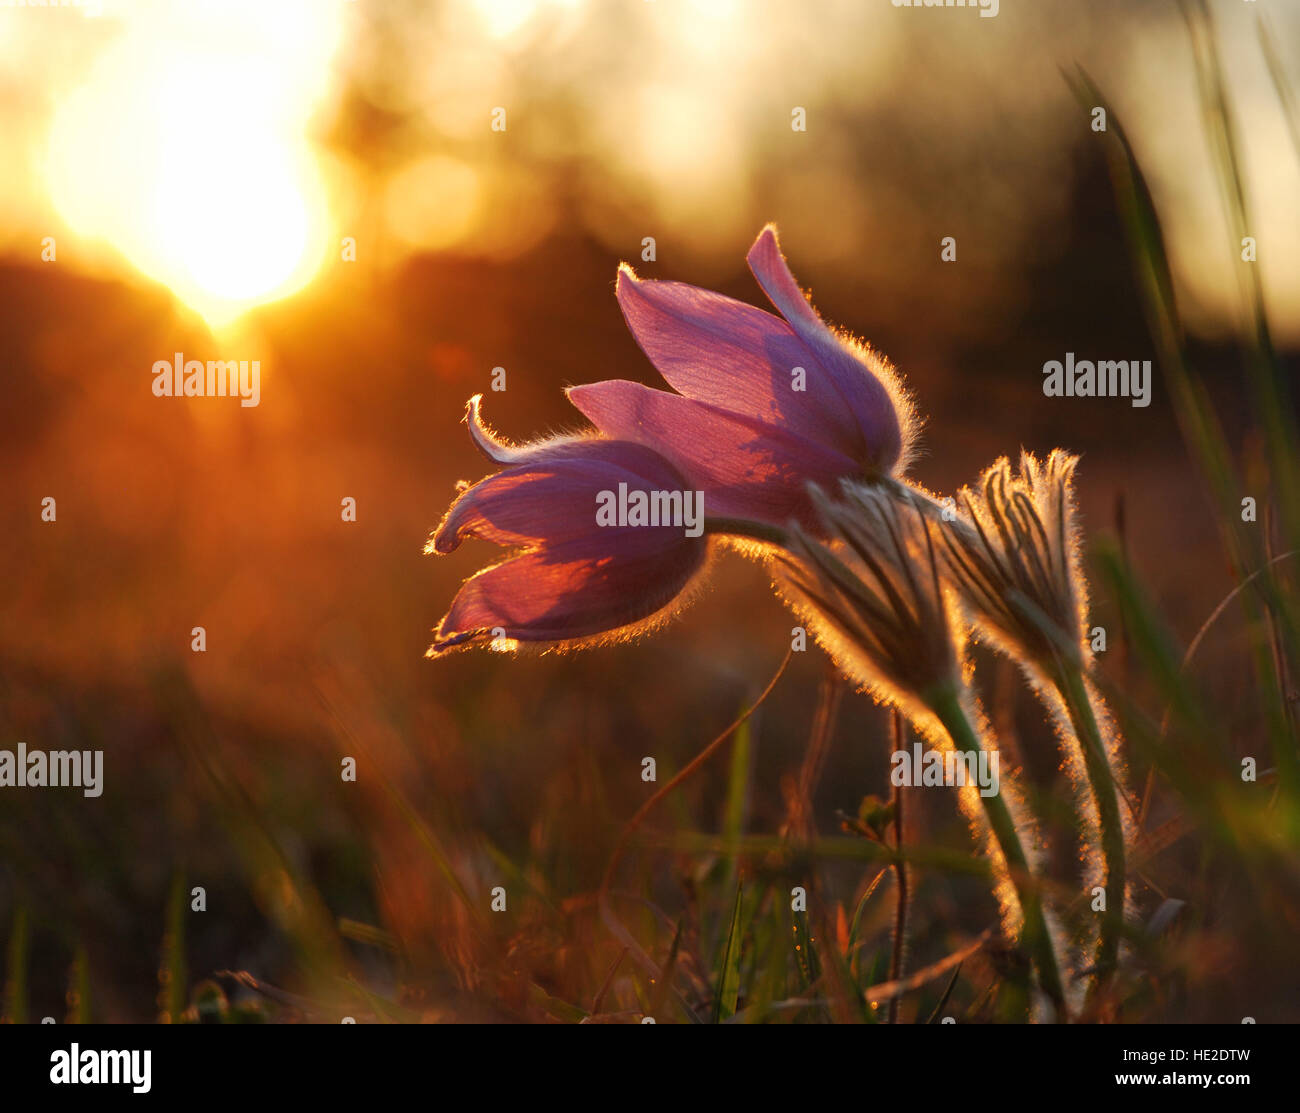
{"x":318,"y":185}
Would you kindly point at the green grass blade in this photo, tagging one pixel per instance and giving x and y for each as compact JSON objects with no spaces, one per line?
{"x":79,"y":987}
{"x":15,"y":1011}
{"x":172,"y":975}
{"x":724,"y":1004}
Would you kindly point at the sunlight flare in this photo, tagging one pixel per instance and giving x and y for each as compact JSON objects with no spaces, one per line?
{"x":188,"y":152}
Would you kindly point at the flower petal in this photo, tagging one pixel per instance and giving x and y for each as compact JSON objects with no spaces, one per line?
{"x":573,"y":578}
{"x":551,"y":495}
{"x":864,"y":379}
{"x":606,"y":583}
{"x":499,"y":451}
{"x":746,"y":468}
{"x":718,"y":350}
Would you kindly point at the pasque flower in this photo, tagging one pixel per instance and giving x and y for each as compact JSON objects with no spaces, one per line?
{"x":1013,"y":555}
{"x":796,"y":437}
{"x":569,"y":578}
{"x":870,"y":590}
{"x":765,"y":404}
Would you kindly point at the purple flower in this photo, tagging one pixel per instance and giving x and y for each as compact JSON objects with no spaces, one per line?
{"x":578,"y":571}
{"x":765,"y":404}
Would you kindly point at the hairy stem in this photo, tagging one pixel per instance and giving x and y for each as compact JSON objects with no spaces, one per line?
{"x":743,"y":527}
{"x":898,"y":958}
{"x":1037,"y":938}
{"x":1101,"y":778}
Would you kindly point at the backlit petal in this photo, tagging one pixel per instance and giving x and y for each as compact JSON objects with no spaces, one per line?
{"x":865,"y":381}
{"x":718,"y":350}
{"x":745,"y":467}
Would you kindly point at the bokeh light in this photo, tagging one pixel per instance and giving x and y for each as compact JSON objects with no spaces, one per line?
{"x":186,"y":148}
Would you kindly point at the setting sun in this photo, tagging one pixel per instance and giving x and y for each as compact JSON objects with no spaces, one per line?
{"x":188,"y":153}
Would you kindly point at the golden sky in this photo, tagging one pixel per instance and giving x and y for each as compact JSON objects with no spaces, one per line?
{"x":230,"y":149}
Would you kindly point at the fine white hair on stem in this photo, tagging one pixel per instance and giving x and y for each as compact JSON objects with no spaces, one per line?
{"x":972,"y":809}
{"x":874,"y":598}
{"x":1013,"y":554}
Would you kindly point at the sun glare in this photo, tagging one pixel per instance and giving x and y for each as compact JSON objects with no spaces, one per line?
{"x":186,"y":149}
{"x":502,"y":18}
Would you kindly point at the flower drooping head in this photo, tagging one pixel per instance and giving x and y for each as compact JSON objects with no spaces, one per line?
{"x":1013,"y":554}
{"x":765,"y":404}
{"x":873,"y":596}
{"x":870,"y":588}
{"x":1014,"y":557}
{"x":575,"y":575}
